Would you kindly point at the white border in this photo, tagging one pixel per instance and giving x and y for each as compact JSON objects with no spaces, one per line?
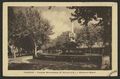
{"x":7,"y":72}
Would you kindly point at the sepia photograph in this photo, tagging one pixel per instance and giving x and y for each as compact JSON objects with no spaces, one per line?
{"x":63,"y":38}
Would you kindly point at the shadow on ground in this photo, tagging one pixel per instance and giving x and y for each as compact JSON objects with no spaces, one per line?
{"x":38,"y":64}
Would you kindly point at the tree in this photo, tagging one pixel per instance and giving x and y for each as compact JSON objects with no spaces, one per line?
{"x":101,"y":14}
{"x":62,"y":40}
{"x":94,"y":35}
{"x":26,"y":26}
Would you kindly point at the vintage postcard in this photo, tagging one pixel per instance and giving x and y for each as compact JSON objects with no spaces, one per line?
{"x":60,"y":39}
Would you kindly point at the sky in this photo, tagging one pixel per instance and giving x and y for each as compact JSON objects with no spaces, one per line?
{"x":59,"y":18}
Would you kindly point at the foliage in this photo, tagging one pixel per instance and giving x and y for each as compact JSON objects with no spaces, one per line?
{"x":101,"y":14}
{"x":27,"y":26}
{"x":62,"y":40}
{"x":94,"y":35}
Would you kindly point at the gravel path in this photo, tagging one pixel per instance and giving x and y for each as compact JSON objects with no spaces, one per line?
{"x":28,"y":63}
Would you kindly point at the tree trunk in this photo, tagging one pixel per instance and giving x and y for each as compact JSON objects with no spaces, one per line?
{"x":88,"y":38}
{"x":15,"y":50}
{"x":35,"y":50}
{"x":14,"y":54}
